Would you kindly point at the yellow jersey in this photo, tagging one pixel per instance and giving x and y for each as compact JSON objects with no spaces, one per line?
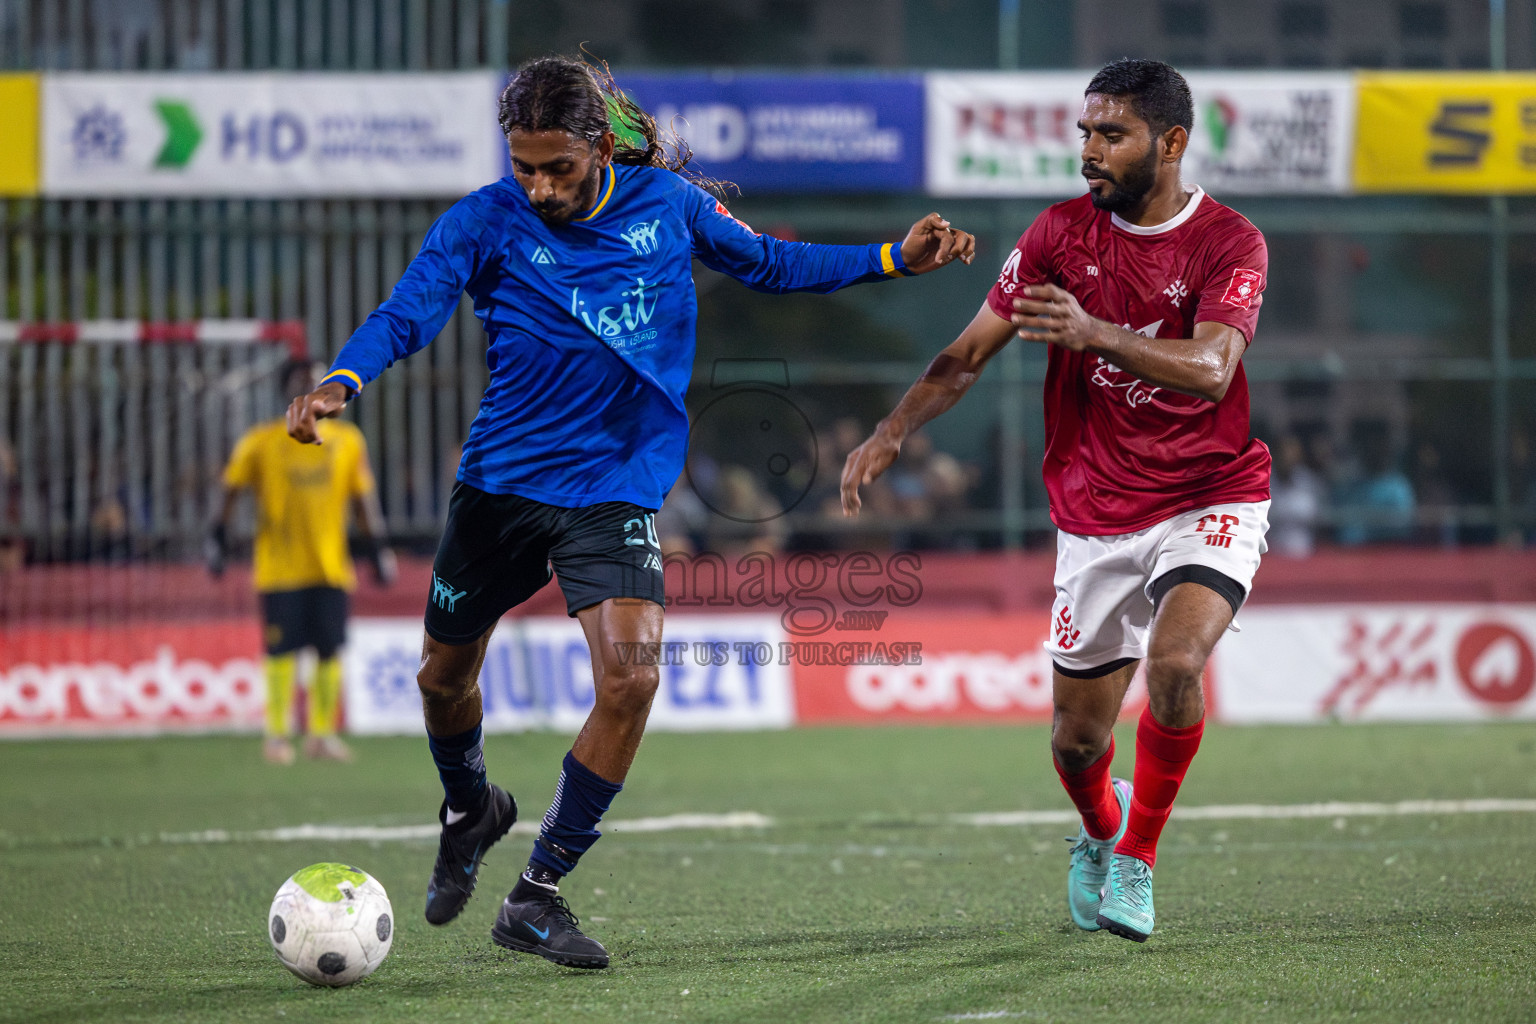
{"x":302,"y":502}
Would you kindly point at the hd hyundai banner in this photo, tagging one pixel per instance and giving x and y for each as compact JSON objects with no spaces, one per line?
{"x":793,"y":133}
{"x":992,"y":134}
{"x":270,"y":134}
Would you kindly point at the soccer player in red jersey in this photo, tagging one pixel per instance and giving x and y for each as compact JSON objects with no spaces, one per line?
{"x":1146,"y":291}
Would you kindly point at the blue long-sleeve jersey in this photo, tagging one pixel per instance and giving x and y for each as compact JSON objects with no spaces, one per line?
{"x":590,"y":325}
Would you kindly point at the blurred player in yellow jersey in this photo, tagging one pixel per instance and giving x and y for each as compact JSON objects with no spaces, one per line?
{"x":303,"y":570}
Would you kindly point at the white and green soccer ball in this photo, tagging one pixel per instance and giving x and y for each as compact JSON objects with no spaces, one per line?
{"x":331,"y":924}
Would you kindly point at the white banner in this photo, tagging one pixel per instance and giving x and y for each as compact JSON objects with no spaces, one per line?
{"x":717,"y":672}
{"x":1410,"y":662}
{"x":1278,"y":133}
{"x":270,"y":134}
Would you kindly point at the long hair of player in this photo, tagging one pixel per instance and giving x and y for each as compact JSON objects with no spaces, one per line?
{"x":581,"y":97}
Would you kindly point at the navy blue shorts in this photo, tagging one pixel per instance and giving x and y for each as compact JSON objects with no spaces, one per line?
{"x":498,"y":550}
{"x":313,"y":617}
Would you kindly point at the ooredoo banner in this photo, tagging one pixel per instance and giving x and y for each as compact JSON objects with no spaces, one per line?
{"x":1361,"y":663}
{"x":911,"y":668}
{"x":717,"y":672}
{"x":270,"y":134}
{"x":1016,"y":134}
{"x":794,"y":133}
{"x":144,"y":678}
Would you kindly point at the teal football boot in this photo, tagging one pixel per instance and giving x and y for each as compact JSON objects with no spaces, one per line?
{"x":1089,"y":864}
{"x":1127,"y":907}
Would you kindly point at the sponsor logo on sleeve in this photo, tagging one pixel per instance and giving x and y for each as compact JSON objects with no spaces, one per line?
{"x":1008,"y":277}
{"x":1243,"y":289}
{"x":722,"y":211}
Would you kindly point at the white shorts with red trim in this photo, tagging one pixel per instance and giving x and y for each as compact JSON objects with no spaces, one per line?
{"x":1104,"y":606}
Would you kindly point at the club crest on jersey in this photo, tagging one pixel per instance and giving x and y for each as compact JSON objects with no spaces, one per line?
{"x":642,"y":237}
{"x":542,"y":256}
{"x":1177,"y":292}
{"x":1243,"y":290}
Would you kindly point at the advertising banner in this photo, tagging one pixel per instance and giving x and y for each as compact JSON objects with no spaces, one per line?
{"x":794,"y":133}
{"x":1456,"y":133}
{"x":144,"y":678}
{"x":1409,"y":662}
{"x":270,"y":134}
{"x":720,"y":672}
{"x":1255,"y":134}
{"x":18,"y":126}
{"x":910,"y":668}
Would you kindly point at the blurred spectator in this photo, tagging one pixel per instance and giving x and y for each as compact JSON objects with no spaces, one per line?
{"x":123,"y":30}
{"x":1436,"y":501}
{"x":1298,"y":497}
{"x":11,"y":548}
{"x":746,"y":518}
{"x":1522,"y":486}
{"x":1377,"y":505}
{"x":682,"y":520}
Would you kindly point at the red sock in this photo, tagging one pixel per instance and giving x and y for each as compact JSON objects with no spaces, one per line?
{"x":1094,"y":795}
{"x":1162,"y":757}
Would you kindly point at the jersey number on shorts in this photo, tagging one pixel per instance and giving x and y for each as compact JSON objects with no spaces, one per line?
{"x":642,"y":533}
{"x":1221,"y":538}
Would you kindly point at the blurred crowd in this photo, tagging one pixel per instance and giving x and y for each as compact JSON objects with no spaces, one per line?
{"x":1371,"y":489}
{"x":1376,"y":491}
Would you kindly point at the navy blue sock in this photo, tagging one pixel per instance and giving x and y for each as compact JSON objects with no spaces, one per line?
{"x":570,"y":826}
{"x":461,"y":765}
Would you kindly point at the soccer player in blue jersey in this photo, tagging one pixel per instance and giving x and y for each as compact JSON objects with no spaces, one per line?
{"x":580,"y":267}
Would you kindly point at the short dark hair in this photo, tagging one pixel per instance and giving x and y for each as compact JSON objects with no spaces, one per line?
{"x":290,"y":369}
{"x":1158,"y":93}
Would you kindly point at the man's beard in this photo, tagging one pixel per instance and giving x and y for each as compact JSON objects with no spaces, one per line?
{"x":555,"y":212}
{"x":1129,"y":189}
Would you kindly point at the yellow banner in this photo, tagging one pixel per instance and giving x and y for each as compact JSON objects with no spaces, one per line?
{"x":18,"y":127}
{"x":1461,"y":133}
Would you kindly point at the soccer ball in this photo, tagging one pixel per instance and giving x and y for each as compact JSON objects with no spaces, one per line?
{"x":331,"y":924}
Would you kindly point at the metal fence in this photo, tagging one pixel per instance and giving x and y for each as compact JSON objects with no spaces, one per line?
{"x":232,"y":35}
{"x":328,"y":262}
{"x":325,"y":264}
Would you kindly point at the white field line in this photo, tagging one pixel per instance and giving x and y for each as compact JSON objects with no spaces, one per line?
{"x":1235,"y":812}
{"x":751,"y":819}
{"x":401,"y":833}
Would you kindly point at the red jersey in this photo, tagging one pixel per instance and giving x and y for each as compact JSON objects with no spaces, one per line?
{"x":1121,"y":454}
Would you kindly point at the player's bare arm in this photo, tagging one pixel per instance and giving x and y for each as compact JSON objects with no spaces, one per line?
{"x":933,"y":242}
{"x":942,"y":384}
{"x":1201,"y":366}
{"x":325,"y":401}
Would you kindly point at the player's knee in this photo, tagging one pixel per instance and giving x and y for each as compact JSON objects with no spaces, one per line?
{"x":440,"y":680}
{"x":629,"y":688}
{"x":1076,"y":745}
{"x":1175,"y":666}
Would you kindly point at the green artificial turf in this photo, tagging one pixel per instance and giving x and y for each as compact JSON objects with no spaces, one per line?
{"x":864,"y":900}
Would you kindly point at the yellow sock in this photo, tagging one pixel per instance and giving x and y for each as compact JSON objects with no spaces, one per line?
{"x":325,"y":697}
{"x":280,"y":672}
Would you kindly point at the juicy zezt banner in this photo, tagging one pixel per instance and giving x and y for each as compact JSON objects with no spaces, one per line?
{"x":783,"y":133}
{"x":269,"y":135}
{"x":716,"y":673}
{"x":1016,"y":134}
